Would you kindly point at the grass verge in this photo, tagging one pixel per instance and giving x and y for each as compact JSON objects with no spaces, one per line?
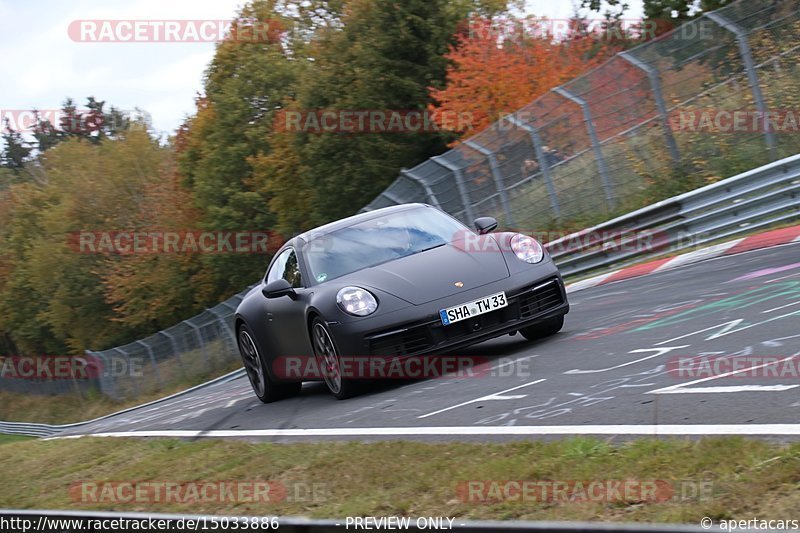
{"x":747,"y":477}
{"x":5,"y":439}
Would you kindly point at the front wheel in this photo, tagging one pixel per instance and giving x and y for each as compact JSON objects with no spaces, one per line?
{"x":551,"y":326}
{"x":267,"y":389}
{"x":329,"y":361}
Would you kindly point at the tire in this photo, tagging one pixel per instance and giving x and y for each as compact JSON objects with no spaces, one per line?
{"x":551,"y":326}
{"x":267,"y":389}
{"x":329,"y":361}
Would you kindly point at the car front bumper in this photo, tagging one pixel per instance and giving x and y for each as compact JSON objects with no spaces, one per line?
{"x":533,"y":296}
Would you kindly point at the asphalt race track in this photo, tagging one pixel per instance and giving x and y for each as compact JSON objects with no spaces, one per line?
{"x":619,"y":367}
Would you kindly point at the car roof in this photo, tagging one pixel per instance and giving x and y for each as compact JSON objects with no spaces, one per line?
{"x":355,"y":219}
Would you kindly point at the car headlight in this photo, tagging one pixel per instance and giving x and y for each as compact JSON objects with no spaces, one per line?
{"x":527,"y":248}
{"x":356,"y":301}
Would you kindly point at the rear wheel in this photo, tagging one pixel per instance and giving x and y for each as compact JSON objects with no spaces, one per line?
{"x":551,"y":326}
{"x":329,"y":361}
{"x":267,"y":389}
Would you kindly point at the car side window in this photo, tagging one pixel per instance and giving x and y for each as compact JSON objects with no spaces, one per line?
{"x":286,"y":267}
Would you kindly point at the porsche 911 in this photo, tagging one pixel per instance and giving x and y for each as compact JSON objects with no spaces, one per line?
{"x":403,"y":281}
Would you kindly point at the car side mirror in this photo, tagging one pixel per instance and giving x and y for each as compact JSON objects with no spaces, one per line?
{"x":485,"y":224}
{"x":276,"y":289}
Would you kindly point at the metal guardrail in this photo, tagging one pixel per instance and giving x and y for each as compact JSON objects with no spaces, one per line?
{"x":761,"y":197}
{"x":307,"y":525}
{"x":32,"y":429}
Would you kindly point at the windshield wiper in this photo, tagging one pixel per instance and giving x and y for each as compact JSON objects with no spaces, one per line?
{"x":430,"y":248}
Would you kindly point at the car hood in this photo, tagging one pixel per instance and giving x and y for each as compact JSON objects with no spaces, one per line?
{"x":432,"y":274}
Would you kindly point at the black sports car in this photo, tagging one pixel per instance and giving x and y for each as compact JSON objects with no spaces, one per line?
{"x":402,"y":281}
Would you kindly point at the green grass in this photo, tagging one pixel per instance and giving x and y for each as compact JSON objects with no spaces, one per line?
{"x":5,"y":439}
{"x":746,"y":477}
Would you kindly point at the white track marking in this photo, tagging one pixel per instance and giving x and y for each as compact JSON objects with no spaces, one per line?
{"x":781,"y":307}
{"x":776,"y":342}
{"x":727,"y":328}
{"x":493,"y":396}
{"x":724,"y":328}
{"x":773,"y":280}
{"x":676,"y":389}
{"x":659,"y":351}
{"x":231,"y":403}
{"x":643,"y":429}
{"x":726,"y":389}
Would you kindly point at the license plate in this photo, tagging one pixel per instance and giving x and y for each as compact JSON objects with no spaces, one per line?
{"x":471,"y":309}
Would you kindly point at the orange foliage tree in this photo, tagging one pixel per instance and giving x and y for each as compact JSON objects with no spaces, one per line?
{"x":154,"y":291}
{"x":490,"y":76}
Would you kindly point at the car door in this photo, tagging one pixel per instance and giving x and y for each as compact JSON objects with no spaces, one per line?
{"x":286,"y":316}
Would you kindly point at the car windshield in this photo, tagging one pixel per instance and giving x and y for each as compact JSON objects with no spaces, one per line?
{"x":378,"y":240}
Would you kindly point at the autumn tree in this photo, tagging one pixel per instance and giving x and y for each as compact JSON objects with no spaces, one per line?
{"x":385,"y":57}
{"x":489,"y":77}
{"x":52,"y":296}
{"x":245,"y":85}
{"x":152,"y":291}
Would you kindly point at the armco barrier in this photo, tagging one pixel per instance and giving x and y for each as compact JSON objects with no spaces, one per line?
{"x":32,"y":429}
{"x":761,"y":197}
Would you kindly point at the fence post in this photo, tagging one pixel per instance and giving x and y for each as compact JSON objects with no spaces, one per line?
{"x":200,"y":340}
{"x":175,"y":350}
{"x":462,"y":190}
{"x":752,"y":76}
{"x":498,"y":178}
{"x":103,"y":377}
{"x":543,"y":163}
{"x":419,"y":181}
{"x":152,"y":362}
{"x":655,"y":85}
{"x":598,"y":152}
{"x":131,"y":376}
{"x":391,"y":197}
{"x":224,"y":320}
